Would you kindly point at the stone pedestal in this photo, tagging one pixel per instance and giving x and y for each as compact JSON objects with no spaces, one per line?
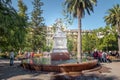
{"x":59,"y":51}
{"x":60,"y":56}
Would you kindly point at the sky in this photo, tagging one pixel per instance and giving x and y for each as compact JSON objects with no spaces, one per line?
{"x":52,"y":10}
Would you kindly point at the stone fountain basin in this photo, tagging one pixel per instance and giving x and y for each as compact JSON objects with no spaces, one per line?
{"x":78,"y":67}
{"x":66,"y":68}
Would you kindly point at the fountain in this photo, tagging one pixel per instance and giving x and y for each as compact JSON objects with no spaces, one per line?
{"x":59,"y":51}
{"x":59,"y":60}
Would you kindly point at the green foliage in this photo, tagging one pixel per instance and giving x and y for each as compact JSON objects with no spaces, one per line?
{"x":89,"y":41}
{"x":110,"y":39}
{"x":113,"y":19}
{"x":37,"y":19}
{"x":108,"y":42}
{"x":11,"y":28}
{"x":38,"y":39}
{"x":77,"y":7}
{"x":113,"y":16}
{"x":22,"y":9}
{"x":70,"y":44}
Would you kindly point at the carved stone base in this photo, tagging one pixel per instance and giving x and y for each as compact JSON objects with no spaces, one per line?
{"x":60,"y":56}
{"x":59,"y":50}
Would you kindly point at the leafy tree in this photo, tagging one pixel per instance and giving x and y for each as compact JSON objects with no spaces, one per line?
{"x":99,"y":40}
{"x":94,"y":39}
{"x":28,"y":39}
{"x":88,"y":41}
{"x":22,"y":30}
{"x":106,"y":38}
{"x":22,"y":9}
{"x":37,"y":20}
{"x":10,"y":21}
{"x":77,"y":9}
{"x":70,"y":44}
{"x":39,"y":30}
{"x":113,"y":19}
{"x":109,"y":41}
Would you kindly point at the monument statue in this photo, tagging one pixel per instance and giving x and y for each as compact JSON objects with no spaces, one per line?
{"x":59,"y":51}
{"x":59,"y":40}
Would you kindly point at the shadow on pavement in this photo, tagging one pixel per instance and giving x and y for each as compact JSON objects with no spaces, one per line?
{"x":7,"y":71}
{"x":85,"y":77}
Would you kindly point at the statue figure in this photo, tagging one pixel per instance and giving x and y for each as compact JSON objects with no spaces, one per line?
{"x":59,"y":39}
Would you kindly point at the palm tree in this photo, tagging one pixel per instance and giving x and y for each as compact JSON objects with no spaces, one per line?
{"x":113,"y":19}
{"x":77,"y":8}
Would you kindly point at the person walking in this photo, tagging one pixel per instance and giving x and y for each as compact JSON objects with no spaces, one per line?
{"x":11,"y":58}
{"x":100,"y":56}
{"x":104,"y":57}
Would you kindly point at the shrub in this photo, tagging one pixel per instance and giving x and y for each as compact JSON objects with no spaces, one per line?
{"x":4,"y":55}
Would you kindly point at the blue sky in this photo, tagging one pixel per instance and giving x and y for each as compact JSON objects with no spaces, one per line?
{"x":52,"y":10}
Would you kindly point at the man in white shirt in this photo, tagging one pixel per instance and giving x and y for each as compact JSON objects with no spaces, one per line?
{"x":11,"y":58}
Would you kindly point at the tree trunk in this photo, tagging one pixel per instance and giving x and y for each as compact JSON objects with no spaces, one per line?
{"x":79,"y":49}
{"x":119,"y":42}
{"x":118,"y":28}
